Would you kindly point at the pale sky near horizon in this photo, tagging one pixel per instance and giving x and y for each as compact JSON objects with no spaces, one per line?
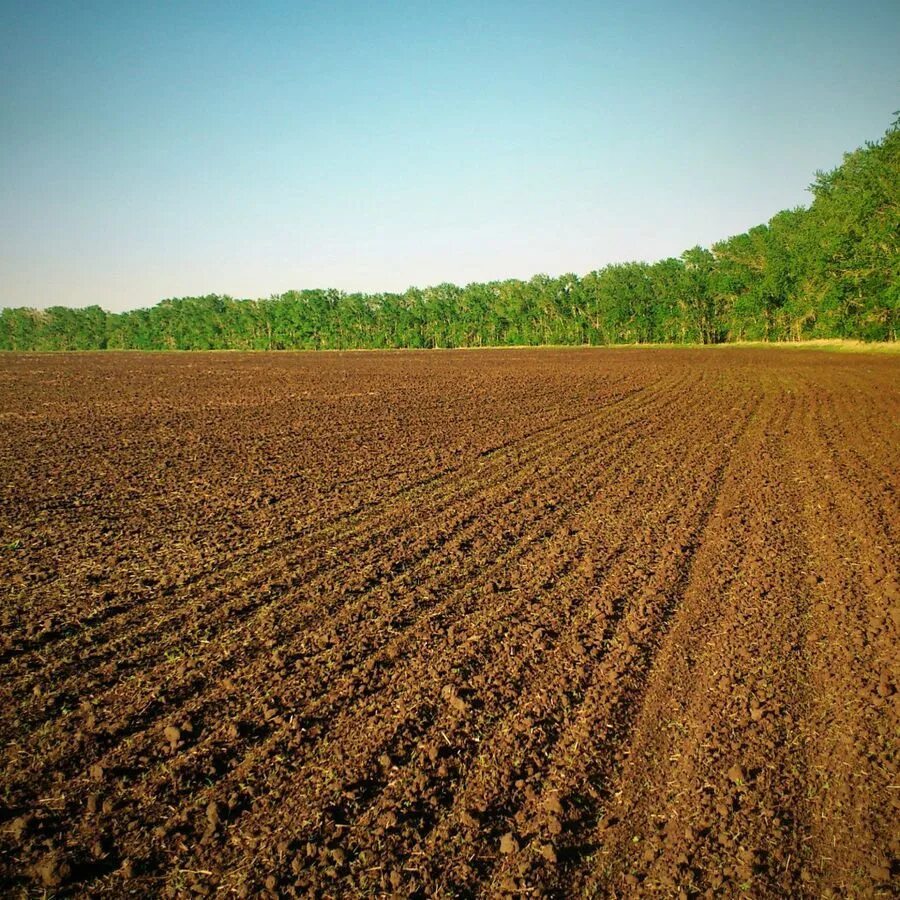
{"x":152,"y":150}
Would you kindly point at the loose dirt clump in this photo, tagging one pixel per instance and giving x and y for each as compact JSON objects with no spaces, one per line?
{"x":522,"y":623}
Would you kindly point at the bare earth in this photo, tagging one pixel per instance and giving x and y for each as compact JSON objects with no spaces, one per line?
{"x":570,"y":623}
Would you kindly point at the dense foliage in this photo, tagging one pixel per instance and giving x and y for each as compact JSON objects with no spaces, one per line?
{"x":830,"y":270}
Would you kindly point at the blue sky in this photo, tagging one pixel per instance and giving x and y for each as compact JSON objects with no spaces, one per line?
{"x":170,"y":149}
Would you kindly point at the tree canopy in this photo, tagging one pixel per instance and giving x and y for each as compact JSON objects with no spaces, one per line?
{"x":828,"y":270}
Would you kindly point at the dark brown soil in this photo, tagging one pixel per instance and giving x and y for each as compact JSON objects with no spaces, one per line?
{"x":543,"y":623}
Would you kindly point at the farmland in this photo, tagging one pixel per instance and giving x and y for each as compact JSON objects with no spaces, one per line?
{"x":563,"y":622}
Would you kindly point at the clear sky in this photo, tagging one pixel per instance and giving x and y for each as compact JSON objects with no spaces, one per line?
{"x":150,"y":150}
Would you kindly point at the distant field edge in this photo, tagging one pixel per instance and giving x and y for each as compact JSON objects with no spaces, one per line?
{"x":833,"y":345}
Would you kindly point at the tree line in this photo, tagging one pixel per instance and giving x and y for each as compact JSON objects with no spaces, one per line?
{"x":829,"y":270}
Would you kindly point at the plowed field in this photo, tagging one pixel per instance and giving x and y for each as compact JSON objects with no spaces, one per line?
{"x":552,"y":623}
